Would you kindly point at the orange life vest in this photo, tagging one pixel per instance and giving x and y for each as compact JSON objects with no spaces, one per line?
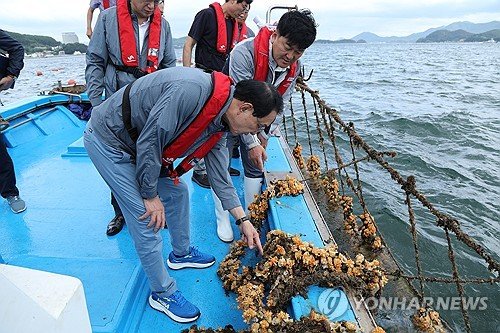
{"x":222,"y":42}
{"x":218,"y":98}
{"x":126,"y":33}
{"x":261,"y":60}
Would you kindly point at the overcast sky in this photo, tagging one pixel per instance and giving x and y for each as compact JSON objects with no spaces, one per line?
{"x":336,"y":18}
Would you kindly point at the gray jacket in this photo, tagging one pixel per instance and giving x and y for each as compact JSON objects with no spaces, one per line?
{"x":104,"y":51}
{"x":242,"y":67}
{"x":163,"y":104}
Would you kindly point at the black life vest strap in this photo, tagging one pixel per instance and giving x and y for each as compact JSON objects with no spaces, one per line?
{"x":127,"y":114}
{"x":135,"y":71}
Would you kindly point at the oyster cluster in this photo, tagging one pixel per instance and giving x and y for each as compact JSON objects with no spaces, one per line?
{"x":330,"y":186}
{"x":259,"y":207}
{"x":297,"y":154}
{"x":289,"y":266}
{"x":350,"y":225}
{"x":427,"y":320}
{"x":314,"y":169}
{"x":369,"y":232}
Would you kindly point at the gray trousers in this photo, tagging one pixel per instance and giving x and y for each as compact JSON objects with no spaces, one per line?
{"x":250,"y":170}
{"x":118,"y":171}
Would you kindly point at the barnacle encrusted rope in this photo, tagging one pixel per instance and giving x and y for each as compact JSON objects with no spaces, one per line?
{"x":366,"y":231}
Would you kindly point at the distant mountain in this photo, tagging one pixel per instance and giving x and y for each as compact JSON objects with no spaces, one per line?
{"x":34,"y":43}
{"x":344,"y":41}
{"x":474,"y":28}
{"x":460,"y":36}
{"x":446,"y":36}
{"x":485,"y":36}
{"x":340,"y":41}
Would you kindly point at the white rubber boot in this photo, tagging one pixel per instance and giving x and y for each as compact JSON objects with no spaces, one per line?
{"x":224,"y":230}
{"x":253,"y":187}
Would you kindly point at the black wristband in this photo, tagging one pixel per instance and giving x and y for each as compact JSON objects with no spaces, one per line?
{"x":243,"y":219}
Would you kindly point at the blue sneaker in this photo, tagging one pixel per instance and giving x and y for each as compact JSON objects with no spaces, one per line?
{"x":195,"y":259}
{"x":175,"y":306}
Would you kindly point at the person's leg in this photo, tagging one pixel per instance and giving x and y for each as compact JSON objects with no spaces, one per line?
{"x":200,"y":174}
{"x":224,"y":229}
{"x":230,"y":142}
{"x":236,"y":147}
{"x":253,"y":178}
{"x":117,"y":170}
{"x":115,"y":205}
{"x":117,"y":222}
{"x":7,"y":175}
{"x":119,"y":173}
{"x":175,"y":198}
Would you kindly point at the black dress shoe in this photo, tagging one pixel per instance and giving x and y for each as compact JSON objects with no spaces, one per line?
{"x":201,"y":179}
{"x":234,"y":172}
{"x":115,"y":225}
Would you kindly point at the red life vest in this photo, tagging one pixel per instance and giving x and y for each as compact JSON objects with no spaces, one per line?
{"x":261,"y":60}
{"x":243,"y":33}
{"x":222,"y":42}
{"x":128,"y":46}
{"x":105,"y":4}
{"x":218,"y":98}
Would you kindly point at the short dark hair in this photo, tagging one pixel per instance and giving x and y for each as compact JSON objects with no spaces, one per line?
{"x":262,"y":95}
{"x":299,"y":27}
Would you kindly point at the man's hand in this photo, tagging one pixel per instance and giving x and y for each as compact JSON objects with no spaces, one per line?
{"x":251,"y":236}
{"x":258,"y":156}
{"x":155,"y":209}
{"x":6,"y":83}
{"x":89,"y":32}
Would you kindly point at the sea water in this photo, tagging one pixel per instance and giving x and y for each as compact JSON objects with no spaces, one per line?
{"x":438,"y":106}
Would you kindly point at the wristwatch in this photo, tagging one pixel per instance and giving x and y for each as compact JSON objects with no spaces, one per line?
{"x":241,"y":220}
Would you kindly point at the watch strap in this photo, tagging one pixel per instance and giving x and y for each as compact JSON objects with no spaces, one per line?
{"x":241,"y":220}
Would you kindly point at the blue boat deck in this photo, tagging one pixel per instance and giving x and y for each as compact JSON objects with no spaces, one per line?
{"x":63,"y":229}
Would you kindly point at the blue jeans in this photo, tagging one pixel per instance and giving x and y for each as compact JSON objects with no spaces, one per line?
{"x":118,"y":170}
